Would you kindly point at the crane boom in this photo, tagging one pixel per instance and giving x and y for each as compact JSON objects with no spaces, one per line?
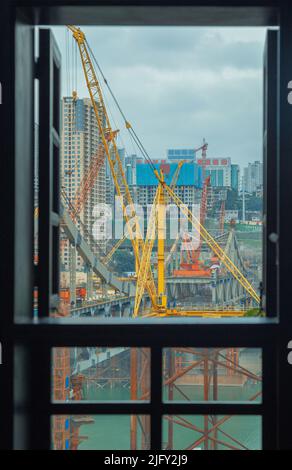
{"x":87,"y":182}
{"x":173,"y":185}
{"x":176,"y":173}
{"x":107,"y":136}
{"x":147,"y":250}
{"x":110,"y":254}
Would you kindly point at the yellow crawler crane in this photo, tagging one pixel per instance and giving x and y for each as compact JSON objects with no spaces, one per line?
{"x":156,"y":227}
{"x":146,"y":255}
{"x":107,"y":136}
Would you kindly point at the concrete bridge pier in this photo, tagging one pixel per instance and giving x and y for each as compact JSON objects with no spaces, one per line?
{"x":116,"y":310}
{"x":127,"y":309}
{"x":103,"y":288}
{"x":89,"y":282}
{"x":107,"y":310}
{"x":213,"y":287}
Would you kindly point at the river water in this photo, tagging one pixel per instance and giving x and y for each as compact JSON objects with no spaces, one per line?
{"x":112,"y":432}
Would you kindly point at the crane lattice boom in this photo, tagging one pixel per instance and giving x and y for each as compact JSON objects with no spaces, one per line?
{"x":108,"y":140}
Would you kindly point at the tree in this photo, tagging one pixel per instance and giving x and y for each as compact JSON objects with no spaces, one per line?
{"x":124,"y":261}
{"x":232,"y":200}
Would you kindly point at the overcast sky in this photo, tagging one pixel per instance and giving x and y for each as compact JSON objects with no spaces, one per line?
{"x":178,"y":85}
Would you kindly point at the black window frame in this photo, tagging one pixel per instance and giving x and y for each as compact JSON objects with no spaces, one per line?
{"x":25,"y":401}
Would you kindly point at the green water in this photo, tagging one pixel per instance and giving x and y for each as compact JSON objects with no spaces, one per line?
{"x":194,"y":392}
{"x":112,"y":432}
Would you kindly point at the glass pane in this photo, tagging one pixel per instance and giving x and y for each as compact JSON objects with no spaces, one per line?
{"x":219,"y":180}
{"x":100,"y":374}
{"x":214,"y":374}
{"x":190,"y":432}
{"x":101,"y":432}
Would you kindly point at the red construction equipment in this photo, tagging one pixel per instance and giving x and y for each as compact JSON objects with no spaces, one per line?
{"x":87,"y":182}
{"x":191,"y":248}
{"x":64,"y":293}
{"x":204,"y":156}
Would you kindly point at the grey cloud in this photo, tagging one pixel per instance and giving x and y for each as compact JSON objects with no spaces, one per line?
{"x":178,"y":85}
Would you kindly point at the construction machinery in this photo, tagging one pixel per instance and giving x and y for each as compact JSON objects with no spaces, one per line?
{"x":191,"y":247}
{"x":203,"y":147}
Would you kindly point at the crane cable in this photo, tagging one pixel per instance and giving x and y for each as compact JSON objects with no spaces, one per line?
{"x":113,"y":120}
{"x":128,"y":125}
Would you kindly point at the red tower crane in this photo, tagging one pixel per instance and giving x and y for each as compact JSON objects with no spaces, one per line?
{"x":97,"y":161}
{"x":222,"y":218}
{"x":203,"y":147}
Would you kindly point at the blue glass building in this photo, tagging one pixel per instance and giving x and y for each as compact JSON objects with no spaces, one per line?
{"x":190,"y":174}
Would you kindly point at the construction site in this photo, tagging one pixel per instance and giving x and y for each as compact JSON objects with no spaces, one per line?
{"x":202,"y":272}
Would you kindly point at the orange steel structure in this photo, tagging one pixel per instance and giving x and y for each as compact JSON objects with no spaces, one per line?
{"x":87,"y":182}
{"x":65,"y":429}
{"x":65,"y":432}
{"x":139,"y":390}
{"x":222,"y":218}
{"x":207,"y":369}
{"x":177,"y":364}
{"x":61,"y":392}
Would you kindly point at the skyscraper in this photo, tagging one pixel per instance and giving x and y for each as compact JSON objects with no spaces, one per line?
{"x":219,"y":170}
{"x":235,"y":177}
{"x":131,"y":166}
{"x":80,"y":140}
{"x":253,"y":176}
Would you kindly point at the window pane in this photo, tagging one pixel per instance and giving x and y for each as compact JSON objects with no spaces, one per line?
{"x":214,"y":374}
{"x":220,"y":180}
{"x":101,"y":374}
{"x":190,"y":432}
{"x":101,"y":432}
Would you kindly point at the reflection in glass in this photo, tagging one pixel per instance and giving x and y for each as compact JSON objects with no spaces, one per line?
{"x":101,"y":432}
{"x":212,"y":374}
{"x":189,"y":432}
{"x":101,"y":374}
